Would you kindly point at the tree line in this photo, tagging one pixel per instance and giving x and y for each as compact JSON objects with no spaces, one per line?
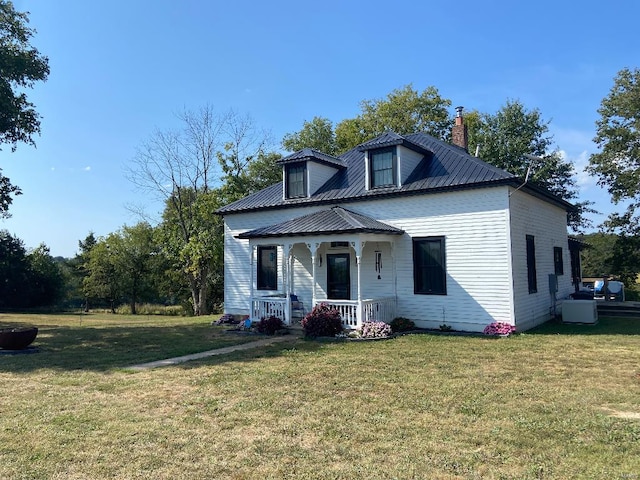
{"x":214,"y":158}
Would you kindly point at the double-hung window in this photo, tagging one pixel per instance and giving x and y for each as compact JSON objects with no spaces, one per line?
{"x":382,"y":167}
{"x":267,"y":268}
{"x":296,"y":180}
{"x":429,"y":268}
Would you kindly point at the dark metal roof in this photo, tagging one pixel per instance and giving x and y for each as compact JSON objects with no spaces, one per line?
{"x":576,"y":243}
{"x":444,"y":167}
{"x":389,"y":139}
{"x":331,"y":221}
{"x":311,"y":154}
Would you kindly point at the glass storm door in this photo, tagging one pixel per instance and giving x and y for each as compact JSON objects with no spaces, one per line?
{"x":338,"y":278}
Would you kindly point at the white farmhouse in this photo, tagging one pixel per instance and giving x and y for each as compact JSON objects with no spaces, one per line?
{"x":400,"y":226}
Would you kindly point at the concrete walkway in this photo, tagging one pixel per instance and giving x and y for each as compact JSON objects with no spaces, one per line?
{"x":209,"y":353}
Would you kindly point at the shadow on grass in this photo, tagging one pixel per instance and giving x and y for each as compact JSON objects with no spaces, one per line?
{"x":97,"y":348}
{"x":116,"y":347}
{"x":605,"y":326}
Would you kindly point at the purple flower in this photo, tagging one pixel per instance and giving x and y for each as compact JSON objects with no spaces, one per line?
{"x":499,"y":328}
{"x":375,"y":329}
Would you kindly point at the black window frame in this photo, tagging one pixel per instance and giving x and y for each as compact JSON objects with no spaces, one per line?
{"x":394,"y":167}
{"x":532,"y":275}
{"x":339,"y":245}
{"x":558,"y":264}
{"x":300,"y":167}
{"x":267,"y":275}
{"x":422,"y":285}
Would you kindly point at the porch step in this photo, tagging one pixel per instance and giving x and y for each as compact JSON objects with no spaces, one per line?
{"x":619,"y":309}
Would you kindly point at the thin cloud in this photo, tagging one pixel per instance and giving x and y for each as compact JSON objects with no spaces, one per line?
{"x":584,"y":180}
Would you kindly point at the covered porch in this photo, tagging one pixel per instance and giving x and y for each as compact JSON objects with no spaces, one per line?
{"x":352,"y":312}
{"x":336,"y":257}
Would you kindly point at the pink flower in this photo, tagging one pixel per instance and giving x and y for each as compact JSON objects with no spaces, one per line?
{"x":499,"y":328}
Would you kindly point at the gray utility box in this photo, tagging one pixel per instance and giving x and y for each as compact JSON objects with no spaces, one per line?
{"x":579,"y":311}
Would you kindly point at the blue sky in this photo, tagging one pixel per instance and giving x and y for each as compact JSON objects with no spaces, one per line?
{"x":122,"y":69}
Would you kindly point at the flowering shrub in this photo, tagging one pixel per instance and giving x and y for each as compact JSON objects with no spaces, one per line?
{"x":375,"y":330}
{"x":499,"y":328}
{"x":401,"y":324}
{"x":322,"y":321}
{"x":269,"y":325}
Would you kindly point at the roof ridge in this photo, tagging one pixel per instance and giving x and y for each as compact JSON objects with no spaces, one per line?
{"x":447,"y":168}
{"x":348,"y":216}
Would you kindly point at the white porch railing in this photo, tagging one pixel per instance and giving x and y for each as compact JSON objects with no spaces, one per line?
{"x":269,"y":306}
{"x":378,"y":309}
{"x":348,"y":311}
{"x":352,"y":313}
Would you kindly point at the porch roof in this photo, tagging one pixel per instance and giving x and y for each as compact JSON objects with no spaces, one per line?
{"x":333,"y":220}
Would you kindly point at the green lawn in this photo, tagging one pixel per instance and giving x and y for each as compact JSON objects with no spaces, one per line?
{"x":559,"y":402}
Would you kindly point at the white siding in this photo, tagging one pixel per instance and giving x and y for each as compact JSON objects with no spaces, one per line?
{"x":317,"y":175}
{"x":372,"y":286}
{"x":547,"y":224}
{"x":237,"y":272}
{"x":409,"y":160}
{"x":475,"y":224}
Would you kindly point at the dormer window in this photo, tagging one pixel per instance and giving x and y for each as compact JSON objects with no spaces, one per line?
{"x":296,"y":175}
{"x":382,"y":167}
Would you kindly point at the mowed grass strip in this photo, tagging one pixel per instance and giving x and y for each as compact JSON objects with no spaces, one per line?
{"x":536,"y":405}
{"x":105,"y":341}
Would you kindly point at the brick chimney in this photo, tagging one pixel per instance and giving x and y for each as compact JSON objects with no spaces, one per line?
{"x":459,"y":134}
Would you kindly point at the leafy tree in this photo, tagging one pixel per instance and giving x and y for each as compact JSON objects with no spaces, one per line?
{"x":46,"y":282}
{"x":7,"y":190}
{"x":508,"y":139}
{"x":246,"y":164}
{"x":263,"y":172}
{"x":626,"y":259}
{"x":192,"y":238}
{"x":596,"y":258}
{"x":31,"y":279}
{"x":508,"y":136}
{"x":617,"y":164}
{"x":610,"y":254}
{"x":21,"y":65}
{"x":13,"y":269}
{"x":505,"y":138}
{"x":194,"y":170}
{"x":78,"y":269}
{"x":404,"y":111}
{"x":132,"y":252}
{"x":102,"y":281}
{"x":317,"y":134}
{"x":120,"y":266}
{"x":178,"y":167}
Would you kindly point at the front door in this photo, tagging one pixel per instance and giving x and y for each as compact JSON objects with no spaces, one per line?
{"x":338,"y":278}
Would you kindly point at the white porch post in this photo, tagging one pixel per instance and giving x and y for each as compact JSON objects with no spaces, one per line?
{"x":288,"y":279}
{"x":313,"y":248}
{"x":358,"y":247}
{"x":288,"y":247}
